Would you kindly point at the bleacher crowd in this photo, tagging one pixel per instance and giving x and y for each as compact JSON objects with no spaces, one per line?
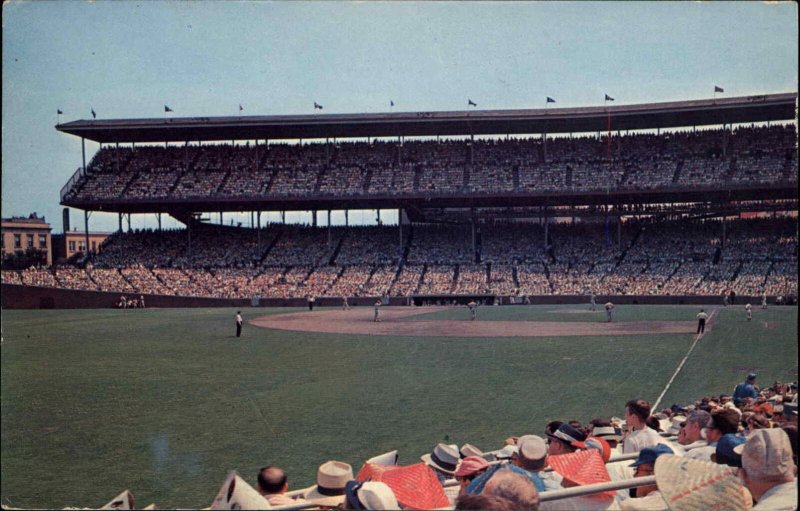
{"x":759,"y":256}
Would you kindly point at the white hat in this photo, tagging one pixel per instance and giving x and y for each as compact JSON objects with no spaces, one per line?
{"x":331,"y":479}
{"x":387,"y":459}
{"x":372,"y":495}
{"x":444,"y":458}
{"x":532,"y":447}
{"x":506,"y":452}
{"x":767,"y":454}
{"x":237,"y":494}
{"x":122,"y":501}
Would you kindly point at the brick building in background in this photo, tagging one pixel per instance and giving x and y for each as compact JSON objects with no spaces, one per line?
{"x":26,"y":239}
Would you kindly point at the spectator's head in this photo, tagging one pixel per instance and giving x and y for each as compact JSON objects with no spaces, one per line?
{"x":790,"y":413}
{"x":369,"y":495}
{"x":636,"y":413}
{"x":332,"y":476}
{"x":725,"y":455}
{"x":696,"y":422}
{"x":563,"y":438}
{"x":470,"y":468}
{"x":756,"y":421}
{"x":514,"y":487}
{"x":444,"y":459}
{"x":532,"y":454}
{"x":653,"y":423}
{"x":676,"y":424}
{"x":766,"y":460}
{"x":644,"y":466}
{"x":272,"y":480}
{"x":608,"y":433}
{"x":723,"y":422}
{"x":551,"y":427}
{"x":482,"y":502}
{"x":751,"y":378}
{"x":791,"y":431}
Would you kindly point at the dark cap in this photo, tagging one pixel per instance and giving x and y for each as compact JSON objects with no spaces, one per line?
{"x":648,"y":455}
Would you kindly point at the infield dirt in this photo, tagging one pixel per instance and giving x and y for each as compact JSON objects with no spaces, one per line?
{"x":360,"y":321}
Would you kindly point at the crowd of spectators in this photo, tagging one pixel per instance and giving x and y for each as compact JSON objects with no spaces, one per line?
{"x":667,"y":258}
{"x":707,"y":158}
{"x":736,"y":450}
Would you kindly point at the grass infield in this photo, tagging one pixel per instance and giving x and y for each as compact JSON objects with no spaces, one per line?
{"x":165,"y":402}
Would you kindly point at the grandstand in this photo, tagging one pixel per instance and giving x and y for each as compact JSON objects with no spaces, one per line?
{"x":578,"y":201}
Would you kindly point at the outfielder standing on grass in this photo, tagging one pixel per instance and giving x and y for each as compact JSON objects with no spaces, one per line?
{"x":377,"y":311}
{"x":592,"y":301}
{"x":609,"y":307}
{"x":473,"y":309}
{"x":701,"y":321}
{"x":238,"y":323}
{"x":749,"y":309}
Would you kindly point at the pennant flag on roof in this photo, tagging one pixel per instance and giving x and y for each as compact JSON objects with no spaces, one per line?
{"x":609,"y":98}
{"x":94,"y":115}
{"x":240,"y":107}
{"x":471,"y":103}
{"x":717,"y":88}
{"x":550,"y":100}
{"x":59,"y":111}
{"x":317,"y":106}
{"x":167,"y":109}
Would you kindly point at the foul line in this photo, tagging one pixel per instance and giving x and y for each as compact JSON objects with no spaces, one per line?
{"x":654,"y":408}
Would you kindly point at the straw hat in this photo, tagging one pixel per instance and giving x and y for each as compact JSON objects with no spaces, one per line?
{"x":332,"y":476}
{"x":444,"y":458}
{"x":689,"y":484}
{"x":237,"y":494}
{"x":675,"y":424}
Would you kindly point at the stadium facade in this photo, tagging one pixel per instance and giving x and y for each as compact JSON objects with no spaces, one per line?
{"x":476,"y":208}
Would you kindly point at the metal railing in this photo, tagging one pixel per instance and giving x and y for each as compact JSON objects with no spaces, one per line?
{"x":76,"y":177}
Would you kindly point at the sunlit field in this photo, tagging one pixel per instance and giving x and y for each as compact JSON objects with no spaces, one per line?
{"x":166,"y":402}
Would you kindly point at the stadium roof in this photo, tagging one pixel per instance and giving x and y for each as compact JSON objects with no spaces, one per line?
{"x":745,"y":109}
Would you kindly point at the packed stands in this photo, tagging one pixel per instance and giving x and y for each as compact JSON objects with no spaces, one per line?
{"x":745,"y":156}
{"x":654,"y":258}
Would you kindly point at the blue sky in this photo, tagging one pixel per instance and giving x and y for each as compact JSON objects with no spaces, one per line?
{"x":204,"y":58}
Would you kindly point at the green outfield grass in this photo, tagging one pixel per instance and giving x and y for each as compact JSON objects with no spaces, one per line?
{"x":165,"y":402}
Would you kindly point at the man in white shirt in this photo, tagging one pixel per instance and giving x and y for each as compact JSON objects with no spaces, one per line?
{"x":639,"y":434}
{"x":647,"y":497}
{"x":701,"y":321}
{"x":691,"y":433}
{"x":768,"y":470}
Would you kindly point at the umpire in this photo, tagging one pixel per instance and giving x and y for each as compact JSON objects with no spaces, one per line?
{"x":701,"y":321}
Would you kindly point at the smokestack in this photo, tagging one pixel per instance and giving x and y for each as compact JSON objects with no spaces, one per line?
{"x":65,"y":216}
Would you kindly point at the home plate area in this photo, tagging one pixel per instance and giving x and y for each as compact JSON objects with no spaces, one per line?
{"x":360,"y":321}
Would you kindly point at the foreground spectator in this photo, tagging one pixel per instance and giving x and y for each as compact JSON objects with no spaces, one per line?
{"x":768,"y":470}
{"x":746,"y":389}
{"x":273,"y":485}
{"x":516,"y":488}
{"x":469,"y":468}
{"x":724,"y":421}
{"x":646,"y":497}
{"x":725,"y":453}
{"x":639,"y":434}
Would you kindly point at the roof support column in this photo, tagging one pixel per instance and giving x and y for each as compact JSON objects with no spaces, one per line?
{"x":158,"y":217}
{"x":400,"y":230}
{"x":83,"y":152}
{"x":313,"y":218}
{"x":258,"y":234}
{"x":329,"y":228}
{"x":119,"y":215}
{"x":86,"y":232}
{"x":189,"y":236}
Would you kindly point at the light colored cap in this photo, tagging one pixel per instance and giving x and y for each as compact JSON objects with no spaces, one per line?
{"x":767,"y":455}
{"x":675,"y":424}
{"x":532,"y":447}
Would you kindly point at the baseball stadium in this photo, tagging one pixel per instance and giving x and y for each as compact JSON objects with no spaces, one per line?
{"x":547,"y":300}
